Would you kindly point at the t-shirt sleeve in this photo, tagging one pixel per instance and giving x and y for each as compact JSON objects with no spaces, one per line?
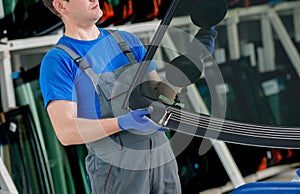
{"x":57,"y":77}
{"x":152,"y":65}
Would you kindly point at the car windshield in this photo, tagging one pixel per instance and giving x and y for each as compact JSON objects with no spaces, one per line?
{"x":253,"y":72}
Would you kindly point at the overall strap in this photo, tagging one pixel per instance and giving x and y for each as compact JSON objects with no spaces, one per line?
{"x":81,"y":63}
{"x":123,"y":45}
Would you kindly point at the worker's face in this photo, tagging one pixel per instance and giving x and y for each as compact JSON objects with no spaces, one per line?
{"x":82,"y":10}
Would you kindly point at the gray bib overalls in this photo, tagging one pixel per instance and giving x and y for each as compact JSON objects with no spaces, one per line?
{"x":131,"y":161}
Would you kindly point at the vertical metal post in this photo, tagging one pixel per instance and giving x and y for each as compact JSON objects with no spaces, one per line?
{"x":7,"y":89}
{"x":2,"y":14}
{"x":296,"y":20}
{"x":248,"y":50}
{"x":233,"y":36}
{"x":268,"y":45}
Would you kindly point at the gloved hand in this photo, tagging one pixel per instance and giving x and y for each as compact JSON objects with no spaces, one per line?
{"x":136,"y":119}
{"x":207,"y":37}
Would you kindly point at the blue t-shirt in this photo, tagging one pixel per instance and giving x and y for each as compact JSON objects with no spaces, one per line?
{"x":61,"y":79}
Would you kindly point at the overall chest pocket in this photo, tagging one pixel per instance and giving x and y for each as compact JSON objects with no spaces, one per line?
{"x":112,"y":88}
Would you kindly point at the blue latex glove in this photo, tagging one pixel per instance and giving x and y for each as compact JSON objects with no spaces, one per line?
{"x":137,"y":119}
{"x":207,"y":37}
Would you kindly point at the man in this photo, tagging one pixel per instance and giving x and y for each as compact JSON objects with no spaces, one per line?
{"x":76,"y":117}
{"x":126,"y":152}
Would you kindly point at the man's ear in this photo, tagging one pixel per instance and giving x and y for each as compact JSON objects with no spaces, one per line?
{"x":59,"y":5}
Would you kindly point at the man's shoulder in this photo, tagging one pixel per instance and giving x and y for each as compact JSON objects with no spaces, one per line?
{"x":126,"y":35}
{"x":55,"y":53}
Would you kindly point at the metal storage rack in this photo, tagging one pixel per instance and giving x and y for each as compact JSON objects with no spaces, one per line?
{"x":11,"y":52}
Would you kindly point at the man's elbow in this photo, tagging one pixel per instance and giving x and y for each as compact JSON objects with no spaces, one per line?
{"x":63,"y":137}
{"x":66,"y":135}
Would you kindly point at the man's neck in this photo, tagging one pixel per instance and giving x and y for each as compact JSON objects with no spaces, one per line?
{"x":91,"y":33}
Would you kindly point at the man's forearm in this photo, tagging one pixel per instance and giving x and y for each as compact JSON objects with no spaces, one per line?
{"x":72,"y":130}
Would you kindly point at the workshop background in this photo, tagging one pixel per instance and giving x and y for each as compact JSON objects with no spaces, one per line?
{"x":260,"y":65}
